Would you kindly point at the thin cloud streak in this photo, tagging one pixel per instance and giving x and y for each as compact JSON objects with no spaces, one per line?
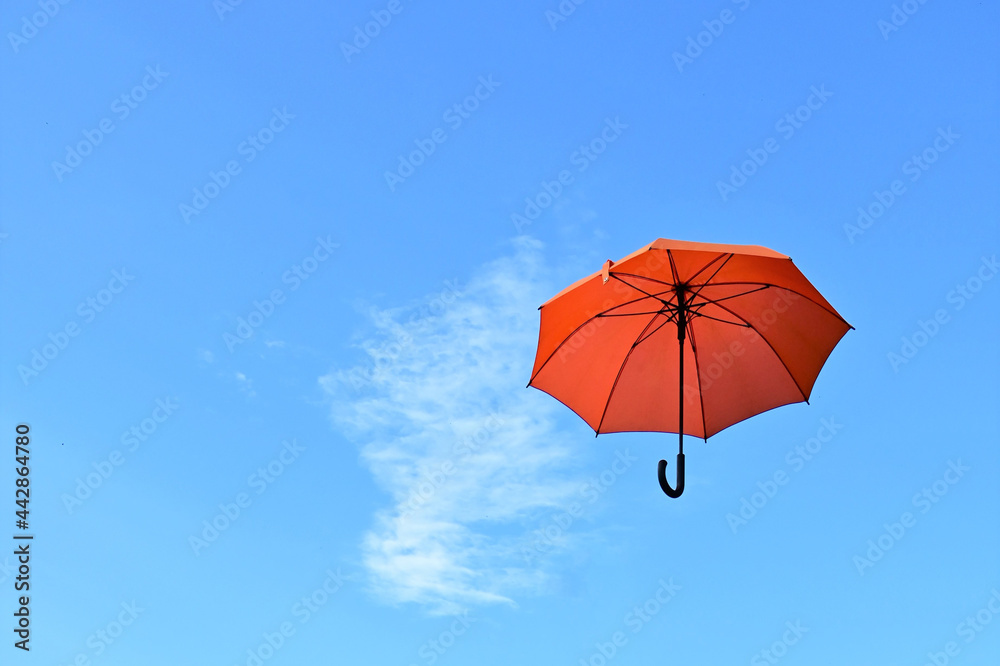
{"x":468,"y":456}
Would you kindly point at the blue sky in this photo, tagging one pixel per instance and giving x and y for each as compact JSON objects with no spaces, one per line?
{"x":281,"y":276}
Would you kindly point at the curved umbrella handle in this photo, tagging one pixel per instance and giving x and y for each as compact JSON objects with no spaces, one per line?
{"x":662,"y":474}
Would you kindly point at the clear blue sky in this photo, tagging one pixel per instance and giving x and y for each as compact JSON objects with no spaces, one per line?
{"x":258,"y":239}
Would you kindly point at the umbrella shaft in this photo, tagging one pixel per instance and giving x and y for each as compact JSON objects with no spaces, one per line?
{"x":680,"y":394}
{"x":681,"y":326}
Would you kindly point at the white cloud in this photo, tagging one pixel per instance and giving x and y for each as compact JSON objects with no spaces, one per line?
{"x":469,"y":456}
{"x":245,"y":384}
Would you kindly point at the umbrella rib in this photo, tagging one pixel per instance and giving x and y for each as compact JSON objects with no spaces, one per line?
{"x":654,"y":296}
{"x":697,"y":375}
{"x":590,"y":319}
{"x":559,"y":346}
{"x":723,"y":321}
{"x":616,"y":276}
{"x":672,"y":317}
{"x":778,"y":286}
{"x":676,"y":275}
{"x":577,"y":329}
{"x":773,"y":350}
{"x":708,"y":283}
{"x":716,"y":272}
{"x":673,"y":268}
{"x":709,"y":301}
{"x":643,"y":277}
{"x":627,"y":314}
{"x":697,"y":293}
{"x":604,"y":313}
{"x":621,"y":369}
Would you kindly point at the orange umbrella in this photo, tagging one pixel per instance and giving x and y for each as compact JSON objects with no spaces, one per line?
{"x":611,"y":347}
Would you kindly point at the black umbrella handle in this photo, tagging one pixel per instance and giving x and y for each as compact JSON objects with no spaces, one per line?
{"x":665,"y":485}
{"x":662,"y":470}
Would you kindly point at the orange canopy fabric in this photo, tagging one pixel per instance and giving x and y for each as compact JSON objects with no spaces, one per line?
{"x":757,"y":334}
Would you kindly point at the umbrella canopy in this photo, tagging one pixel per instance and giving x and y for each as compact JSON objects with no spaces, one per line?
{"x":751,"y":329}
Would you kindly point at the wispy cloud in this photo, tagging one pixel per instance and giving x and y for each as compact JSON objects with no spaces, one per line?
{"x":470,"y":458}
{"x":245,"y":384}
